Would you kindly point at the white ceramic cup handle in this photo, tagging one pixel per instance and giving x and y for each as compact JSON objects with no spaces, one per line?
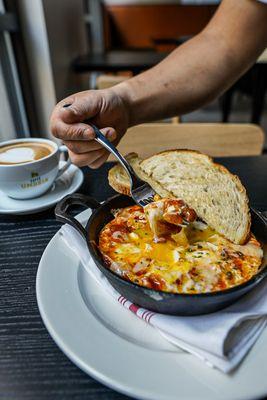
{"x":63,"y":149}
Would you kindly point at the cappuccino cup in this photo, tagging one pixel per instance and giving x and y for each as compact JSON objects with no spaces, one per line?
{"x":29,"y":167}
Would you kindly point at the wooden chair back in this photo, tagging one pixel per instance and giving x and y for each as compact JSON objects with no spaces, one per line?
{"x":106,"y":81}
{"x":217,"y":140}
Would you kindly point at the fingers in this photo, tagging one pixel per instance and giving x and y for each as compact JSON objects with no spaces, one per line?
{"x":69,"y":115}
{"x":99,"y":161}
{"x":69,"y":123}
{"x":78,"y":107}
{"x":79,"y":132}
{"x":81,"y":146}
{"x":91,"y":158}
{"x":89,"y":153}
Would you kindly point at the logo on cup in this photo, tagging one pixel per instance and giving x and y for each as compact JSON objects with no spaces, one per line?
{"x":36,"y":180}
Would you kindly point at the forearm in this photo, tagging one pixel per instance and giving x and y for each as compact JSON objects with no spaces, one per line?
{"x":186,"y":80}
{"x":196,"y":72}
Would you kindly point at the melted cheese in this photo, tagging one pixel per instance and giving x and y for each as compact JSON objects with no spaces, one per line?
{"x":194,"y":260}
{"x":166,"y":215}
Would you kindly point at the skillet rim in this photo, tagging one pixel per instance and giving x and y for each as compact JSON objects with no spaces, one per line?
{"x":93,"y":250}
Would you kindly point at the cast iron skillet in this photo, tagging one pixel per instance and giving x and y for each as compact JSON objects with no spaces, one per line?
{"x":155,"y":300}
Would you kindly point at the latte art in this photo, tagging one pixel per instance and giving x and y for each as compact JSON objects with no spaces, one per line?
{"x":14,"y":156}
{"x":23,"y":153}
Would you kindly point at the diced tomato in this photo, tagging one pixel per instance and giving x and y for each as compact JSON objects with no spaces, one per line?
{"x":173,"y":218}
{"x":175,"y":211}
{"x":238,"y":263}
{"x":156,"y":282}
{"x":221,"y":284}
{"x":168,"y":228}
{"x":189,"y":214}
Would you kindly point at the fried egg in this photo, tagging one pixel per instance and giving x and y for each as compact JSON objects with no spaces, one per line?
{"x":193,"y":259}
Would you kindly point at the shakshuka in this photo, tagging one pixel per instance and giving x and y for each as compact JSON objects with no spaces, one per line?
{"x":165,"y":246}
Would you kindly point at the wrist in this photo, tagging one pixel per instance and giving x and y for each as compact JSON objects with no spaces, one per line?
{"x":123,"y":91}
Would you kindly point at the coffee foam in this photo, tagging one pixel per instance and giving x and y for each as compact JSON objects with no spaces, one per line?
{"x":17,"y":155}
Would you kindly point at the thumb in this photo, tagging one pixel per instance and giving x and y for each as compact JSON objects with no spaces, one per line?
{"x":78,"y":108}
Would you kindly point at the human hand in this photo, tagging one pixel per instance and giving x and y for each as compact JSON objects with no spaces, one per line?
{"x":105,"y":109}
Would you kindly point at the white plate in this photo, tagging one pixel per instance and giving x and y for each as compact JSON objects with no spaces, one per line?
{"x":123,"y":352}
{"x":68,"y":183}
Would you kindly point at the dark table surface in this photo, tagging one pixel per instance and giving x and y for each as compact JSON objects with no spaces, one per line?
{"x":31,"y":365}
{"x":120,"y":60}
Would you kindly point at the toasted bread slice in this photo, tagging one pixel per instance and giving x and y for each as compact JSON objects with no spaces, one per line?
{"x":217,"y":196}
{"x":118,"y":178}
{"x":119,"y":181}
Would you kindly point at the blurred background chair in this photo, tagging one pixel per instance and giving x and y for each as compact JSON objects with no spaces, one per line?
{"x":105,"y":81}
{"x":52,"y":49}
{"x":135,"y":36}
{"x":117,"y":45}
{"x":254,"y":85}
{"x":217,"y":140}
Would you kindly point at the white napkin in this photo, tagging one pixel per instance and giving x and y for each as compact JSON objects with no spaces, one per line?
{"x":221,"y":339}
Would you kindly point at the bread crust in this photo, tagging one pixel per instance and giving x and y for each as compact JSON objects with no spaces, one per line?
{"x":117,"y":173}
{"x":118,"y":179}
{"x":122,"y":188}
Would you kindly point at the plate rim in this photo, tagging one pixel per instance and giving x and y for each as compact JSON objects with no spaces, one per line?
{"x":118,"y":387}
{"x":88,"y":369}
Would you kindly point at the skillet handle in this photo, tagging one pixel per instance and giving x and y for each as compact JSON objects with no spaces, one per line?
{"x":72,"y":200}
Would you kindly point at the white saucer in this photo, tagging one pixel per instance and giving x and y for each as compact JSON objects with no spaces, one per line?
{"x":68,"y":183}
{"x":123,"y":352}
